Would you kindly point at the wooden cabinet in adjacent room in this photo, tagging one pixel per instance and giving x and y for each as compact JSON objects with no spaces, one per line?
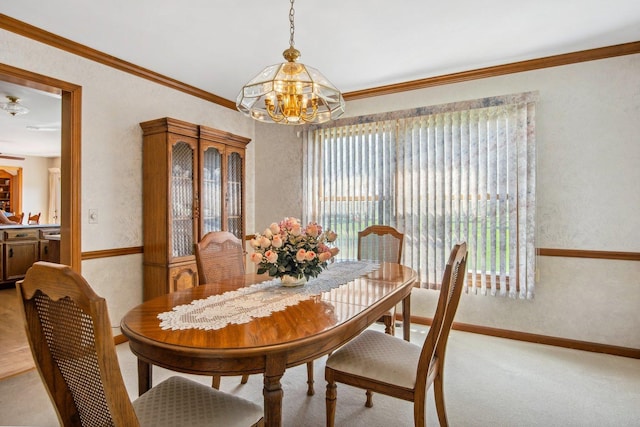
{"x":21,"y":250}
{"x":49,"y":247}
{"x":193,"y":183}
{"x":21,"y":246}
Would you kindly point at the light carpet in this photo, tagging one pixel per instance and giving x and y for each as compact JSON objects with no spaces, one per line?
{"x":488,"y":382}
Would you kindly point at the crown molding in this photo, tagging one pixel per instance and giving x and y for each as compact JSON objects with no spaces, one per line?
{"x":500,"y":70}
{"x":37,"y":34}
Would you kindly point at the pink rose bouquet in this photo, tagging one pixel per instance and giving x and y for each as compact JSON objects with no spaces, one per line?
{"x":289,"y":249}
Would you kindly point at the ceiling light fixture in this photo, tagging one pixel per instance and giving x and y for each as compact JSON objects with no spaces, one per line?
{"x":13,"y":107}
{"x":290,"y":93}
{"x":43,"y":128}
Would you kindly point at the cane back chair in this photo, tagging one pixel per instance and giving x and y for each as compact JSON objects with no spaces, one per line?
{"x":69,"y":333}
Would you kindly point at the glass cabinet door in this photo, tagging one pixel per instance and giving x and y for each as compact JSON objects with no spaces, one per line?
{"x":234,"y":194}
{"x":182,"y":199}
{"x":211,"y":190}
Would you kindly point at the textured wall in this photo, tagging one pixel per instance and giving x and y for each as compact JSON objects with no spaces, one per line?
{"x":35,"y":184}
{"x":588,"y":169}
{"x":279,"y":168}
{"x":113,"y":105}
{"x":589,"y":149}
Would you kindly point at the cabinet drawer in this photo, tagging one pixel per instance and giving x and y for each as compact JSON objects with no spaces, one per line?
{"x":11,"y":235}
{"x":45,"y":233}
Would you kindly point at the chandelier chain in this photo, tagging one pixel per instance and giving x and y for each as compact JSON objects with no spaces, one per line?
{"x":292,"y":27}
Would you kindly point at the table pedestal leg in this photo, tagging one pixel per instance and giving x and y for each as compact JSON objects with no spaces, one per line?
{"x":145,"y":377}
{"x":272,"y":390}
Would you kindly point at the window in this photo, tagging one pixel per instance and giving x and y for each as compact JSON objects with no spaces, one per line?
{"x":441,"y":174}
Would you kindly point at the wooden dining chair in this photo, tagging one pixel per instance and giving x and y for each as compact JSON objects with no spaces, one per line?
{"x":392,"y":366}
{"x":220,"y":256}
{"x":33,"y":219}
{"x":69,"y":332}
{"x":17,"y":218}
{"x":382,"y":243}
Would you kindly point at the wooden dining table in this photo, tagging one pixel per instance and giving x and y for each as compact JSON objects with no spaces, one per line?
{"x":269,"y":345}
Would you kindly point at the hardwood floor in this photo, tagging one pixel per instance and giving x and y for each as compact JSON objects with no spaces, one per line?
{"x":16,"y":355}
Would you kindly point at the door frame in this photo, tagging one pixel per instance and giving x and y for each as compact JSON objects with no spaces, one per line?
{"x":70,"y":159}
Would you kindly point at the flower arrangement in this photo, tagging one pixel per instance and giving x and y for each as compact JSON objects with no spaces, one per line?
{"x":289,"y":249}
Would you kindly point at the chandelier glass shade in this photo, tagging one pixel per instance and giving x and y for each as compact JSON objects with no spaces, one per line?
{"x":290,"y":93}
{"x":13,"y":107}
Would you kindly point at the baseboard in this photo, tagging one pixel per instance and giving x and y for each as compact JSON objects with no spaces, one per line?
{"x":538,"y":339}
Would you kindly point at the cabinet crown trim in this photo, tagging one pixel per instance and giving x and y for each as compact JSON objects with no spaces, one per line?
{"x":167,"y":124}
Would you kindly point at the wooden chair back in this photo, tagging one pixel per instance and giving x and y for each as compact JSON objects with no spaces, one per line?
{"x":219,"y":255}
{"x":17,"y":218}
{"x":381,"y":243}
{"x":375,"y":351}
{"x":33,"y":219}
{"x":435,"y":344}
{"x":69,"y":332}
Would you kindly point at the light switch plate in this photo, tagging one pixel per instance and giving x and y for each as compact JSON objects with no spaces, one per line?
{"x":93,"y":216}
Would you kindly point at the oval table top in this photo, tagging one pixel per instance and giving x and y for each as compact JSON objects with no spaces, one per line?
{"x":298,"y":334}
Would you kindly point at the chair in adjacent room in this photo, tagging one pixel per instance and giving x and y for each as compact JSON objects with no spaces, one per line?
{"x":33,"y":219}
{"x":382,"y":243}
{"x":385,"y":364}
{"x":17,"y":217}
{"x":69,"y":332}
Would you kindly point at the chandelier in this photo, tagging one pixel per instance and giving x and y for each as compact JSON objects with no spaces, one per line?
{"x":13,"y":107}
{"x":290,"y":93}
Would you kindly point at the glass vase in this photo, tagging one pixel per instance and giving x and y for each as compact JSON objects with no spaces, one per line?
{"x":287,"y":280}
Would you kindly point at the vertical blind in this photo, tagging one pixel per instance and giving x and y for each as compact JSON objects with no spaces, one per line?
{"x":443,"y":174}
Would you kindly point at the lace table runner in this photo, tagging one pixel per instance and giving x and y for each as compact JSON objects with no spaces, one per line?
{"x":259,"y":300}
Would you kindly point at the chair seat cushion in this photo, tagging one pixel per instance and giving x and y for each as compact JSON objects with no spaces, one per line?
{"x":380,"y":357}
{"x":179,"y":401}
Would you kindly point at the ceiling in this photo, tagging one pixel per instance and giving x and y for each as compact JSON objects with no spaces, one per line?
{"x":217,"y":46}
{"x":36,"y":133}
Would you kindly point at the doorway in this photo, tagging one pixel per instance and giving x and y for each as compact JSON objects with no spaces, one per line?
{"x":71,"y":97}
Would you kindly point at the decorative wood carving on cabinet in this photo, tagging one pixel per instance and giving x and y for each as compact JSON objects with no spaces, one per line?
{"x":193,"y":183}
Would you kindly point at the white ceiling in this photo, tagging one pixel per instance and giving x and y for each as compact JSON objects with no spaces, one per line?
{"x":36,"y":133}
{"x":217,"y":46}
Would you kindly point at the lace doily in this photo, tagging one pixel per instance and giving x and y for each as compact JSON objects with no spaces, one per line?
{"x":259,"y":300}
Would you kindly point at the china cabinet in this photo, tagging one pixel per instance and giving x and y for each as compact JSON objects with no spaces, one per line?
{"x":193,"y":183}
